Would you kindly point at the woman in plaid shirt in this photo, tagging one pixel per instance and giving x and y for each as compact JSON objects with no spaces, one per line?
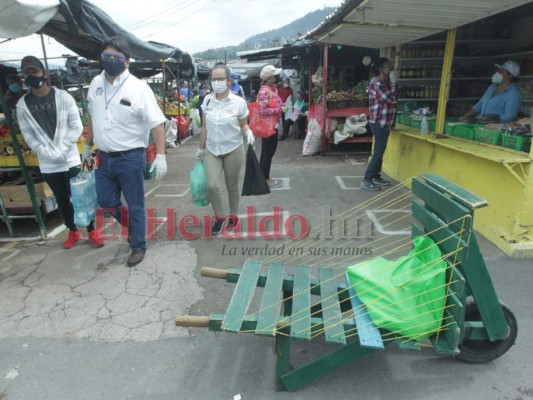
{"x":383,"y":94}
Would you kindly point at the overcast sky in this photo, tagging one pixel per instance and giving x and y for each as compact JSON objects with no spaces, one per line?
{"x":190,"y":25}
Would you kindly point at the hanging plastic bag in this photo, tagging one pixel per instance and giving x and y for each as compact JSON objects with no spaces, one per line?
{"x":312,"y":139}
{"x":171,"y":133}
{"x":406,"y":296}
{"x":261,"y":126}
{"x":254,"y":183}
{"x":196,"y":122}
{"x":83,"y":193}
{"x":200,"y":198}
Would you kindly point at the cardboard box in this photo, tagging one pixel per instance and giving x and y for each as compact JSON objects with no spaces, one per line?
{"x":15,"y":193}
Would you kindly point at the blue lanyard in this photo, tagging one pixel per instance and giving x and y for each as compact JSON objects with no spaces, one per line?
{"x":105,"y":91}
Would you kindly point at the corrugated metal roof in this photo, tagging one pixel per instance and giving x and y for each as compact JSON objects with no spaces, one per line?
{"x":382,"y":23}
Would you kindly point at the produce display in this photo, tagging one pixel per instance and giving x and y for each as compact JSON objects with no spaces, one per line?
{"x":172,"y":108}
{"x":344,"y":99}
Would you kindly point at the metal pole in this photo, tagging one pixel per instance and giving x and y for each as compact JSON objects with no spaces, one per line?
{"x":45,"y":60}
{"x":325,"y":139}
{"x":24,"y":170}
{"x":445,"y":80}
{"x":164,"y":87}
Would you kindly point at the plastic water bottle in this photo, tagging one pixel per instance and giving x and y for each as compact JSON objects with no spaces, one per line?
{"x":424,"y":128}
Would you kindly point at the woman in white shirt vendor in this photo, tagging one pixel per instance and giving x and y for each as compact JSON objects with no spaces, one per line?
{"x":225,"y":117}
{"x":502,"y":97}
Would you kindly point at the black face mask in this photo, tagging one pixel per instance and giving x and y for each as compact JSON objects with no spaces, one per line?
{"x":113,"y":68}
{"x":35,"y":82}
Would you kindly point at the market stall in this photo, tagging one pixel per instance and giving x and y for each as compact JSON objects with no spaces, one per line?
{"x":445,"y":73}
{"x":339,"y":88}
{"x":81,"y":27}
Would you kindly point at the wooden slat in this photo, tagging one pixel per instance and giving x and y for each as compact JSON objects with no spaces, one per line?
{"x":406,"y":344}
{"x":445,"y":207}
{"x":462,"y":195}
{"x":301,"y":304}
{"x":242,"y":296}
{"x":271,"y":303}
{"x":482,"y":288}
{"x":447,"y":341}
{"x":369,"y":336}
{"x":331,"y":310}
{"x":451,"y":243}
{"x":457,"y":281}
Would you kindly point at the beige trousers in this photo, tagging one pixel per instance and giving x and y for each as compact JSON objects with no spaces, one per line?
{"x":231,"y":165}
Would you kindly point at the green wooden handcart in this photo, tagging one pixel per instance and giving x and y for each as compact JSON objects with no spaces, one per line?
{"x":478,"y":329}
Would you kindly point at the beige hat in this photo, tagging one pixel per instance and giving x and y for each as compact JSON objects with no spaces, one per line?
{"x":268,"y":71}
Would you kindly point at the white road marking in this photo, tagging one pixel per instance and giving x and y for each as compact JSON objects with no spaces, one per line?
{"x":372,"y":217}
{"x":342,"y":184}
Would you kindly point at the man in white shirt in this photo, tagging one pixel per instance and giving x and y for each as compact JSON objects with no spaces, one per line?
{"x":123,"y":112}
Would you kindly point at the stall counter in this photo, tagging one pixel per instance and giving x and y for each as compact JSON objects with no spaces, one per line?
{"x":500,"y":176}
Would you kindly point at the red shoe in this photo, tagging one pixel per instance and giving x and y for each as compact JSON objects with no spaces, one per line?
{"x":95,"y":239}
{"x":73,"y":237}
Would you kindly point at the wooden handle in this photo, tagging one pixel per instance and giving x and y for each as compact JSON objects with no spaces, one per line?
{"x":192,"y":321}
{"x":213,"y":272}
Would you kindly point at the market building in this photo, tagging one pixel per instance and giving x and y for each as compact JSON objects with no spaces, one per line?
{"x":445,"y":64}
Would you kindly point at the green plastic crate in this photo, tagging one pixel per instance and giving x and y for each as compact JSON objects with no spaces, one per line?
{"x":487,"y":136}
{"x":415,"y":123}
{"x":520,"y":143}
{"x":465,"y":131}
{"x":402,"y":118}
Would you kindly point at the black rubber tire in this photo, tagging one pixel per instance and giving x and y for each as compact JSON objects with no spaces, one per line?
{"x":481,"y":351}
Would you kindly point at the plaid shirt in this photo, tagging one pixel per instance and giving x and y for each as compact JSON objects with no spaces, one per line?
{"x":383,"y":98}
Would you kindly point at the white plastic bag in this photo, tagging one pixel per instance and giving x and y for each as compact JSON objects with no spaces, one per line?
{"x":339,"y":137}
{"x":355,"y":125}
{"x":171,"y":132}
{"x":312,"y":140}
{"x":196,"y":123}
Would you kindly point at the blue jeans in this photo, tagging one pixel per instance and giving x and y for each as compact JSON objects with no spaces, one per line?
{"x":381,"y":136}
{"x":124,"y":174}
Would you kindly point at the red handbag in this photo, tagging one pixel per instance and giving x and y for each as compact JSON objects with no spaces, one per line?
{"x":262,"y":126}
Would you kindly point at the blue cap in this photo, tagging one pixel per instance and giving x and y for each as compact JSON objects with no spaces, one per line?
{"x":234,"y":76}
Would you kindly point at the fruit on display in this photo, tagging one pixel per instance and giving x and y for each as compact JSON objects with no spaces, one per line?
{"x":343,"y":95}
{"x":7,"y":149}
{"x":4,"y":132}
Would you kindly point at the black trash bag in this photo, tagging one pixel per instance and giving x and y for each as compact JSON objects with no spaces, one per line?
{"x":254,"y":180}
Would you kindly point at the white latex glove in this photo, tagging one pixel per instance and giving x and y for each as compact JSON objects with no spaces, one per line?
{"x":200,"y":154}
{"x":160,"y":166}
{"x":393,"y":77}
{"x":250,"y":137}
{"x":87,"y":153}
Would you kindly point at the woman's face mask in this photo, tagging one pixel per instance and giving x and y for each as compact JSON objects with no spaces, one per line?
{"x":15,"y":87}
{"x":497,"y":78}
{"x":219,"y":86}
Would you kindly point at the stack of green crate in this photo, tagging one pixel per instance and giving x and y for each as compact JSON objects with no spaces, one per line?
{"x":414,"y":122}
{"x":516,"y":142}
{"x":487,"y":136}
{"x":465,"y":131}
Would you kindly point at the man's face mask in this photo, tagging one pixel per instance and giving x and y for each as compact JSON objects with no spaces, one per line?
{"x":35,"y":82}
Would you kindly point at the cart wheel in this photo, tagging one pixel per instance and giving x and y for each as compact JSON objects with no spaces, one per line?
{"x":480,"y":351}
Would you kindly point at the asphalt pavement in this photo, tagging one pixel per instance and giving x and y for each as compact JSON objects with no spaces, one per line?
{"x":78,"y":324}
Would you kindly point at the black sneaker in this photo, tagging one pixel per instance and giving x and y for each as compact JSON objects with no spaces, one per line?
{"x":367,"y":185}
{"x":233,"y":223}
{"x":217,"y":226}
{"x":380,"y":181}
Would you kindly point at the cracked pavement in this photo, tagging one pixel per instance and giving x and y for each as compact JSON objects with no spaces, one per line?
{"x":44,"y":296}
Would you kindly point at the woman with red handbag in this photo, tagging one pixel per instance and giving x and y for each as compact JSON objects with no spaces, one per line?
{"x":225,"y":120}
{"x":270,"y":105}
